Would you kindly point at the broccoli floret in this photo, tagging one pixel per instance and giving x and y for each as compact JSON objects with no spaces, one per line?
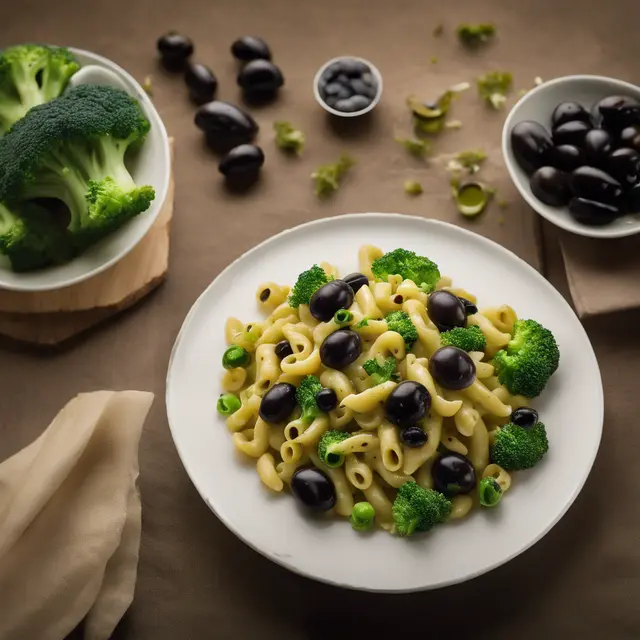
{"x":473,"y":35}
{"x":418,"y":509}
{"x":288,"y":138}
{"x":306,"y":397}
{"x":408,"y":265}
{"x":327,"y":443}
{"x":465,"y":338}
{"x":518,"y":448}
{"x":328,"y":177}
{"x":400,"y":322}
{"x":381,"y":372}
{"x":31,"y":74}
{"x":363,"y":323}
{"x":31,"y":239}
{"x":306,"y":285}
{"x":72,"y":149}
{"x":529,"y":360}
{"x":494,"y":86}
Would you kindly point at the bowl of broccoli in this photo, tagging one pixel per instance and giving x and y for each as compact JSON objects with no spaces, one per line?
{"x":84,"y":168}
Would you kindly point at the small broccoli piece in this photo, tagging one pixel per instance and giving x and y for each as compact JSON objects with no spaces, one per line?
{"x":400,"y":322}
{"x":469,"y":161}
{"x":326,"y":445}
{"x":228,"y":404}
{"x":529,"y":360}
{"x":381,"y":372}
{"x":306,"y":285}
{"x":415,"y":147}
{"x":288,"y":138}
{"x":306,"y":397}
{"x":518,"y":448}
{"x":327,"y":177}
{"x":412,"y":187}
{"x":489,"y":492}
{"x":418,"y":509}
{"x":494,"y":86}
{"x":473,"y":35}
{"x":31,"y":74}
{"x":465,"y":338}
{"x":362,"y":516}
{"x":409,"y":266}
{"x":363,"y":323}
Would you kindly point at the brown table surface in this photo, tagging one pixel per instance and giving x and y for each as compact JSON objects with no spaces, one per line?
{"x":196,"y":580}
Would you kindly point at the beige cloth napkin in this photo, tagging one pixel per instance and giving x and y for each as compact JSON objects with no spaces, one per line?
{"x":70,"y":521}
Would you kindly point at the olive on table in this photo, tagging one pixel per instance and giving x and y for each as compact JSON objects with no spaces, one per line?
{"x":407,"y":404}
{"x":593,"y":213}
{"x":284,"y":349}
{"x":356,"y":281}
{"x":340,"y":349}
{"x":347,"y":85}
{"x":329,"y":298}
{"x":278,"y":403}
{"x":446,"y":310}
{"x":624,"y":165}
{"x":452,"y":368}
{"x":531,"y":144}
{"x":225,"y":124}
{"x":619,"y":112}
{"x":201,"y":82}
{"x":175,"y":50}
{"x":453,"y":474}
{"x":630,"y":138}
{"x":327,"y":400}
{"x":569,"y":111}
{"x":551,"y":186}
{"x":313,"y":489}
{"x":250,"y":48}
{"x":260,"y":77}
{"x":597,"y":146}
{"x":633,"y":199}
{"x":566,"y":157}
{"x":242,"y":161}
{"x":592,"y":183}
{"x":469,"y":307}
{"x":413,"y":436}
{"x":573,"y":133}
{"x":524,"y":417}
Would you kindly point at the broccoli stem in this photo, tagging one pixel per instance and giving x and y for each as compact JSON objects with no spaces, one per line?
{"x":27,"y":85}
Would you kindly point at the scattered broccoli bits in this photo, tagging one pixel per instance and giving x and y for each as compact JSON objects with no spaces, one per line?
{"x":412,"y":187}
{"x":328,"y":177}
{"x":288,"y":138}
{"x":380,"y":373}
{"x":494,"y":86}
{"x":473,"y":35}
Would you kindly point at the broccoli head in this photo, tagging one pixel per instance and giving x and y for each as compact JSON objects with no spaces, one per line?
{"x":518,"y":448}
{"x":31,"y":74}
{"x":400,"y":322}
{"x":381,"y":372}
{"x":306,"y":396}
{"x":326,"y":445}
{"x":73,"y":149}
{"x":307,"y":284}
{"x":465,"y":338}
{"x":529,"y":360}
{"x":418,"y":509}
{"x":409,"y":266}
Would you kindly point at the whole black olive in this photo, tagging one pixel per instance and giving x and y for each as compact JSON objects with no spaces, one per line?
{"x":592,"y":213}
{"x":226,"y":124}
{"x":566,"y":157}
{"x":446,"y":310}
{"x":572,"y":133}
{"x":524,"y":417}
{"x":284,"y":349}
{"x":353,"y":104}
{"x":356,"y":281}
{"x":568,"y":111}
{"x":332,"y":72}
{"x":551,"y":186}
{"x":250,"y":48}
{"x":453,"y":474}
{"x":597,"y":146}
{"x":624,"y":165}
{"x":327,"y":400}
{"x":619,"y":112}
{"x":201,"y":82}
{"x":594,"y":184}
{"x":330,"y":297}
{"x":452,"y":368}
{"x":313,"y":489}
{"x":407,"y":404}
{"x":360,"y":87}
{"x":630,"y":138}
{"x":340,"y":349}
{"x":354,"y":68}
{"x":261,"y":77}
{"x":469,"y":307}
{"x":413,"y":437}
{"x":241,"y":161}
{"x":531,"y":145}
{"x":174,"y":50}
{"x":633,"y":199}
{"x":278,"y":403}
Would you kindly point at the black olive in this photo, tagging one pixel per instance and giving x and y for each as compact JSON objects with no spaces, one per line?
{"x":630,"y":138}
{"x":174,"y":50}
{"x":360,"y":87}
{"x":591,"y":212}
{"x":284,"y":349}
{"x":452,"y":368}
{"x":469,"y":307}
{"x":524,"y":417}
{"x":241,"y":161}
{"x":633,"y":199}
{"x":250,"y":48}
{"x":594,"y":184}
{"x":597,"y":146}
{"x":572,"y":133}
{"x":453,"y":474}
{"x":354,"y":68}
{"x":332,"y":89}
{"x":330,"y":297}
{"x":225,"y":124}
{"x":356,"y":281}
{"x":352,"y":104}
{"x":566,"y":157}
{"x":407,"y":404}
{"x":201,"y":82}
{"x":340,"y":349}
{"x":551,"y":186}
{"x":413,"y":437}
{"x":278,"y":403}
{"x":568,"y":111}
{"x":619,"y":112}
{"x":313,"y":488}
{"x":531,"y":145}
{"x":332,"y":71}
{"x":446,"y":310}
{"x":327,"y":400}
{"x":624,"y":165}
{"x":260,"y":76}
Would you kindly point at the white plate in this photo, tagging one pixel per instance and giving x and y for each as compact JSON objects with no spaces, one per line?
{"x":331,"y":551}
{"x":152,"y":166}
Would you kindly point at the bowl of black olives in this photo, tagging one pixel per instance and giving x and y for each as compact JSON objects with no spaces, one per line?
{"x":348,"y":86}
{"x":572,"y":147}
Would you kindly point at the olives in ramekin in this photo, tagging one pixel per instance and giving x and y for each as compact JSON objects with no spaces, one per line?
{"x":348,"y":86}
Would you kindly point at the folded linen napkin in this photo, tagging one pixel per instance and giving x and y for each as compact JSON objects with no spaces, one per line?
{"x":70,"y":521}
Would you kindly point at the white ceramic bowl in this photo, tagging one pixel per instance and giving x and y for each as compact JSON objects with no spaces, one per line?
{"x":151,"y":166}
{"x":374,"y":71}
{"x":538,"y":105}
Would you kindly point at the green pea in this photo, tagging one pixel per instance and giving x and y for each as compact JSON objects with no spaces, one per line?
{"x":228,"y":404}
{"x":362,"y":516}
{"x":343,"y":317}
{"x":235,"y":357}
{"x":489,"y":492}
